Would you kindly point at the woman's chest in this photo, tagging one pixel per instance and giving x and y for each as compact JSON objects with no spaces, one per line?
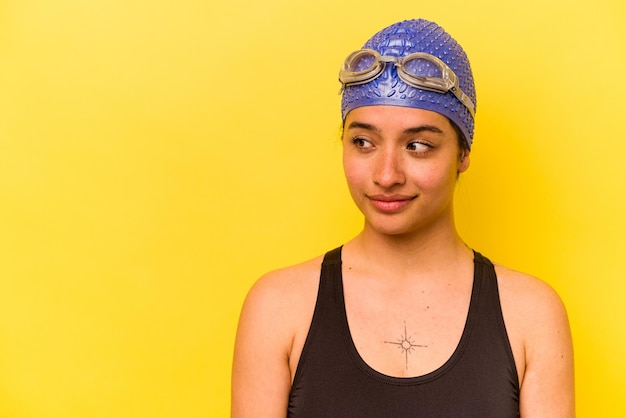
{"x":407,"y":335}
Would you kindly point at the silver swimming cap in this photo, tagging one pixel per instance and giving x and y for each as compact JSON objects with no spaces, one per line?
{"x":402,"y":39}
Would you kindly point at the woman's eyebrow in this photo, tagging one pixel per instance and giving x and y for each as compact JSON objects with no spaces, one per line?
{"x":411,"y":130}
{"x":422,"y":128}
{"x":363,"y":125}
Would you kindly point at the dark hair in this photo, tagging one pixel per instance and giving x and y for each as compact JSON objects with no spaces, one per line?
{"x":459,"y":137}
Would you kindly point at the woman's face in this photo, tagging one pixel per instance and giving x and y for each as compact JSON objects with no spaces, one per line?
{"x":401,"y":165}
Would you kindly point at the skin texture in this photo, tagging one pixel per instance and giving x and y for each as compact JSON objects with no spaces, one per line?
{"x":401,"y":166}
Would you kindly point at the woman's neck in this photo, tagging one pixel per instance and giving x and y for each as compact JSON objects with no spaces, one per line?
{"x":405,"y":255}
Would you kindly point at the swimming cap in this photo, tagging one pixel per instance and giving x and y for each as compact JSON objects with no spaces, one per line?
{"x":404,"y":38}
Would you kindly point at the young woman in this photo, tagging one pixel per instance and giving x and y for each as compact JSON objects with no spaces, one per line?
{"x":404,"y":320}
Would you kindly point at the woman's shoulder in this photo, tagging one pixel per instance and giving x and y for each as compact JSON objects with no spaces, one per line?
{"x":273,"y":320}
{"x":287,"y":295}
{"x":531,"y":307}
{"x":288,"y":282}
{"x":540,"y":337}
{"x":539,"y":333}
{"x":526,"y":293}
{"x":536,"y":321}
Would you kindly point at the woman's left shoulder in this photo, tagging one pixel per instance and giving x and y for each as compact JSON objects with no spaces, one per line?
{"x":526,"y":294}
{"x":539,"y":333}
{"x":534,"y":314}
{"x":540,"y":337}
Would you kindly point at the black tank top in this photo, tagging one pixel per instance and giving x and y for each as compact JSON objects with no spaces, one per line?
{"x":478,"y":380}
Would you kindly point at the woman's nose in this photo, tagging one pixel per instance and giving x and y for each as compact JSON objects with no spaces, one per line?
{"x":388,"y":171}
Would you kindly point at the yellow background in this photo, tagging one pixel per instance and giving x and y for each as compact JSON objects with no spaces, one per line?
{"x":157,"y":156}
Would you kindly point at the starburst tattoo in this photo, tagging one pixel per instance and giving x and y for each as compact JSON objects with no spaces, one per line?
{"x":406,"y":344}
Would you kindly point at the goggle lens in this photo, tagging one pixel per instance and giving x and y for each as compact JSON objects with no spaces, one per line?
{"x":362,"y":62}
{"x":422,"y":67}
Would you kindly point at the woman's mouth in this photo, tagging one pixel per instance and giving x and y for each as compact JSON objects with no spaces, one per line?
{"x":390,"y":203}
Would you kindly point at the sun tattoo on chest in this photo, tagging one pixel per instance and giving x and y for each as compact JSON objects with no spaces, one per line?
{"x":406,"y":344}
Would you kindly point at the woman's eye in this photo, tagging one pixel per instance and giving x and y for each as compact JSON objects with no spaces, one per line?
{"x":418,"y":147}
{"x":362,"y":143}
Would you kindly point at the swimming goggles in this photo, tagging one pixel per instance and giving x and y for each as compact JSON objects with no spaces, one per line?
{"x":419,"y":69}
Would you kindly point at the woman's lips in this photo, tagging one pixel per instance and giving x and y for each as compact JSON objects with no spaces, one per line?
{"x":390,"y":203}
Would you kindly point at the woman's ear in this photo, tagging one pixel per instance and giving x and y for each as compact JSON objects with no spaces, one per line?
{"x":464,"y":161}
